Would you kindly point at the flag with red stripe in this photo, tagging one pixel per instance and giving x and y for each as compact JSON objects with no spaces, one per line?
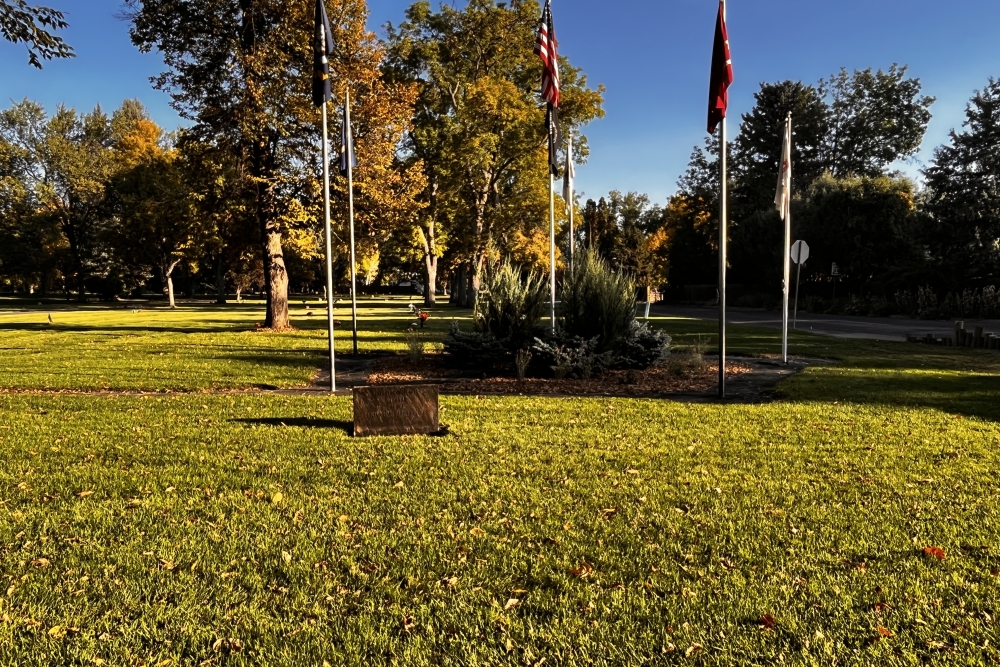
{"x":722,"y":73}
{"x":547,"y":48}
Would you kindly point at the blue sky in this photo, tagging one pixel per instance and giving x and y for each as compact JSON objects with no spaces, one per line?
{"x":653,"y":56}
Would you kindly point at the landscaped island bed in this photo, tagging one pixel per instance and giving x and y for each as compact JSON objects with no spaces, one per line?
{"x":651,"y":382}
{"x":853,"y":521}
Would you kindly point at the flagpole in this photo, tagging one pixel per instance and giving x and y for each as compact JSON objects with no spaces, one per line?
{"x":350,"y":199}
{"x":552,"y":243}
{"x":572,"y":188}
{"x":787,"y":275}
{"x":798,"y":281}
{"x":723,"y":237}
{"x":329,"y":250}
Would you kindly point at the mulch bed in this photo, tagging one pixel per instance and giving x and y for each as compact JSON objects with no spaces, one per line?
{"x":652,"y":382}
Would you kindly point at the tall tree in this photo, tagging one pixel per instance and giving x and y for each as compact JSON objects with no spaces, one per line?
{"x":876,"y":118}
{"x":850,"y":125}
{"x":757,"y":149}
{"x":387,"y":186}
{"x":74,"y":167}
{"x":963,"y":195}
{"x":479,"y":125}
{"x":756,"y":251}
{"x":33,"y":244}
{"x":241,"y":71}
{"x":868,"y":226}
{"x":154,"y":224}
{"x":34,"y":27}
{"x":213,"y":178}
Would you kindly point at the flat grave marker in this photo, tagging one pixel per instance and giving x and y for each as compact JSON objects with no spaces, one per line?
{"x":396,"y":410}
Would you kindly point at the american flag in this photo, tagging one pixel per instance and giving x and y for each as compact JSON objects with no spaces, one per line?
{"x":547,"y":49}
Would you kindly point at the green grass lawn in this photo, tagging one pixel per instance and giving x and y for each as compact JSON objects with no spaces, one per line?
{"x":190,"y":348}
{"x":249,"y":529}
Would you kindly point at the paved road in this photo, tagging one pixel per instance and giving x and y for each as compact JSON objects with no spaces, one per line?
{"x":841,"y":326}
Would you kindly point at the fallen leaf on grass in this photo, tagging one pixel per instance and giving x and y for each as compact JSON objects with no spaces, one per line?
{"x":233,"y":645}
{"x":285,"y":556}
{"x":692,"y":649}
{"x":767,"y":622}
{"x":409,"y":624}
{"x":277,"y":497}
{"x":40,"y":562}
{"x":477,"y":532}
{"x":584,"y":570}
{"x":343,"y":518}
{"x":511,"y":604}
{"x":935,"y":552}
{"x":84,"y":494}
{"x":885,"y":632}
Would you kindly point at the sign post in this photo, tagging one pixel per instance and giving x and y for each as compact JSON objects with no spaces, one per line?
{"x":800,"y":253}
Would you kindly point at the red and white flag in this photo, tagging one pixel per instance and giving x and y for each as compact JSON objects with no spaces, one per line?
{"x":547,"y":48}
{"x":722,"y":73}
{"x":783,"y":197}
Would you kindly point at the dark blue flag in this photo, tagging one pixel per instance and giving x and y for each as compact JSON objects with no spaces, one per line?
{"x":347,"y":144}
{"x":322,"y":50}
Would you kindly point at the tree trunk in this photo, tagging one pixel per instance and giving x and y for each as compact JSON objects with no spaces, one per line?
{"x":81,"y":286}
{"x":476,"y":279}
{"x":168,"y":278}
{"x":275,"y":280}
{"x":275,"y":275}
{"x":220,"y":282}
{"x":461,"y":290}
{"x":430,"y":291}
{"x":429,"y":239}
{"x":170,"y":292}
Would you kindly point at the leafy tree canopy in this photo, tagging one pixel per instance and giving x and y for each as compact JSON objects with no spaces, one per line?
{"x":963,"y":193}
{"x":21,"y":23}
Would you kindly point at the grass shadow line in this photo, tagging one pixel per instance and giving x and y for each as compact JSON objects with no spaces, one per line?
{"x":299,"y":422}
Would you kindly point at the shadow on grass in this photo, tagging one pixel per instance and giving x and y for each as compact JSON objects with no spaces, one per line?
{"x":300,"y":422}
{"x":112,"y":328}
{"x":968,"y":394}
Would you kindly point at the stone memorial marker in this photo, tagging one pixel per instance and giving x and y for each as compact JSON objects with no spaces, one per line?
{"x":396,"y":410}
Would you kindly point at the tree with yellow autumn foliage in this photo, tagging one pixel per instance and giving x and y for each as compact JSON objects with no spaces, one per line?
{"x":153,"y":223}
{"x":479,"y":128}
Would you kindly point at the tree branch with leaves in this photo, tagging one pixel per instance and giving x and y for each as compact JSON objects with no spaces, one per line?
{"x":34,"y":27}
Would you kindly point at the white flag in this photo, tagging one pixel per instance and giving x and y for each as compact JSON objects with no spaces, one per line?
{"x":569,"y":175}
{"x":783,"y":198}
